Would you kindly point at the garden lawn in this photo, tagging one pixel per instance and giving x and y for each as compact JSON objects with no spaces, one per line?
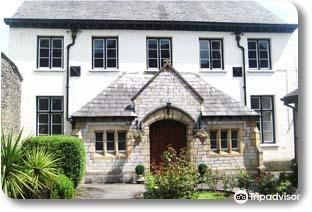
{"x":211,"y":195}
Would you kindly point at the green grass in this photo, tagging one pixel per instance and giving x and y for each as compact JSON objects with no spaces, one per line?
{"x":211,"y":195}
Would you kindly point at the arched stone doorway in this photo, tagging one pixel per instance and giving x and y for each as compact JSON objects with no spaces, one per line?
{"x":166,"y":133}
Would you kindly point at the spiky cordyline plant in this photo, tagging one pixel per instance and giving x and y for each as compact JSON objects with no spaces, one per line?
{"x":24,"y":173}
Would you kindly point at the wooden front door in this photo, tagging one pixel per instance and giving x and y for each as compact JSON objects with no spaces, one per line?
{"x":164,"y":133}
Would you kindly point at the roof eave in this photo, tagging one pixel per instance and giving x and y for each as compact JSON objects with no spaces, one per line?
{"x":149,"y":25}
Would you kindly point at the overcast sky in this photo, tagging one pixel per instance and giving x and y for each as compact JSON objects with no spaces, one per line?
{"x":281,"y":8}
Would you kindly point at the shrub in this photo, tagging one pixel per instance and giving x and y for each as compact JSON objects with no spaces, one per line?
{"x":63,"y":188}
{"x":176,"y":178}
{"x":139,"y":169}
{"x":266,"y":183}
{"x":25,"y":174}
{"x":202,"y":169}
{"x":211,"y":179}
{"x":243,"y":179}
{"x":69,"y":149}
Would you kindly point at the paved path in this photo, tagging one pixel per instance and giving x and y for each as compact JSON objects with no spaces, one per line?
{"x":110,"y":191}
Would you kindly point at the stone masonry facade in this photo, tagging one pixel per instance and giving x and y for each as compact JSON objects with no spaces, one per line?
{"x":11,"y":82}
{"x":166,"y":96}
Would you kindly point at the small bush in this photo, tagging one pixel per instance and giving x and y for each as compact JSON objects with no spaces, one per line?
{"x":63,"y":188}
{"x":266,"y":183}
{"x":176,"y":178}
{"x":139,"y":169}
{"x":202,"y":169}
{"x":69,"y":149}
{"x":243,"y":179}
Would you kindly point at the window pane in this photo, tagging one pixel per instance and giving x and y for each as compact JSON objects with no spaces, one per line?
{"x":44,"y":62}
{"x":43,"y":118}
{"x":266,"y":102}
{"x":234,"y":136}
{"x":165,"y":44}
{"x":253,"y":64}
{"x":57,"y":104}
{"x":111,"y":53}
{"x":252,"y":45}
{"x":110,"y":141}
{"x":204,"y":44}
{"x":99,"y":136}
{"x":45,"y":42}
{"x":57,"y":43}
{"x":43,"y":104}
{"x":204,"y":54}
{"x":44,"y":53}
{"x":110,"y":136}
{"x":110,"y":146}
{"x":98,"y":53}
{"x":263,"y":45}
{"x":152,"y":53}
{"x":57,"y":129}
{"x":57,"y":118}
{"x":255,"y":103}
{"x":264,"y":63}
{"x":57,"y":63}
{"x":122,"y":141}
{"x":111,"y":43}
{"x":99,"y":146}
{"x":213,"y":140}
{"x":99,"y":63}
{"x":111,"y":63}
{"x":152,"y":63}
{"x":267,"y":136}
{"x":267,"y":116}
{"x":216,"y":55}
{"x":204,"y":63}
{"x":98,"y":44}
{"x":43,"y":129}
{"x":223,"y":139}
{"x":252,"y":54}
{"x":216,"y":64}
{"x":57,"y":52}
{"x":215,"y":45}
{"x":152,"y":44}
{"x":165,"y":54}
{"x":264,"y":55}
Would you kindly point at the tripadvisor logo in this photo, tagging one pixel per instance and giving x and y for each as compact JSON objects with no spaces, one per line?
{"x":241,"y":197}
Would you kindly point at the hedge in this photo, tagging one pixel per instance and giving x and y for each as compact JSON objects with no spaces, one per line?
{"x":70,"y":149}
{"x":63,"y":188}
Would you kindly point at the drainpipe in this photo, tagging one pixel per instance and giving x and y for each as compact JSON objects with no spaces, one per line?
{"x":73,"y":35}
{"x":238,"y":38}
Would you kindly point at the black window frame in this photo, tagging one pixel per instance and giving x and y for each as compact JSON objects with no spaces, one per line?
{"x":113,"y":141}
{"x":119,"y":141}
{"x":99,"y":141}
{"x":50,"y":38}
{"x":158,"y":51}
{"x":50,"y":113}
{"x":105,"y":53}
{"x":257,"y":40}
{"x":215,"y":140}
{"x":210,"y":53}
{"x":261,"y":110}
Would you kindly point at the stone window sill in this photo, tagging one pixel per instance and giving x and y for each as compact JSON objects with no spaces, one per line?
{"x":49,"y":70}
{"x":269,"y":145}
{"x":109,"y":156}
{"x":225,"y":154}
{"x":104,"y":70}
{"x":212,"y":71}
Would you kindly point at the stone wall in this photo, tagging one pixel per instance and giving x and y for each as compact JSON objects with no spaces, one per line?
{"x":120,"y":167}
{"x":248,"y":156}
{"x":167,"y":87}
{"x":10,"y":95}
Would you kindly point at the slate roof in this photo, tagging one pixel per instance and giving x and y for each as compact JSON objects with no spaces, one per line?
{"x":113,"y":100}
{"x":223,"y":11}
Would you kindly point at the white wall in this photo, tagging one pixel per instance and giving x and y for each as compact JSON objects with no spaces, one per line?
{"x":132,"y":58}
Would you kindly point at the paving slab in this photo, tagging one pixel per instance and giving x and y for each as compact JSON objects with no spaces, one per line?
{"x":110,"y":191}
